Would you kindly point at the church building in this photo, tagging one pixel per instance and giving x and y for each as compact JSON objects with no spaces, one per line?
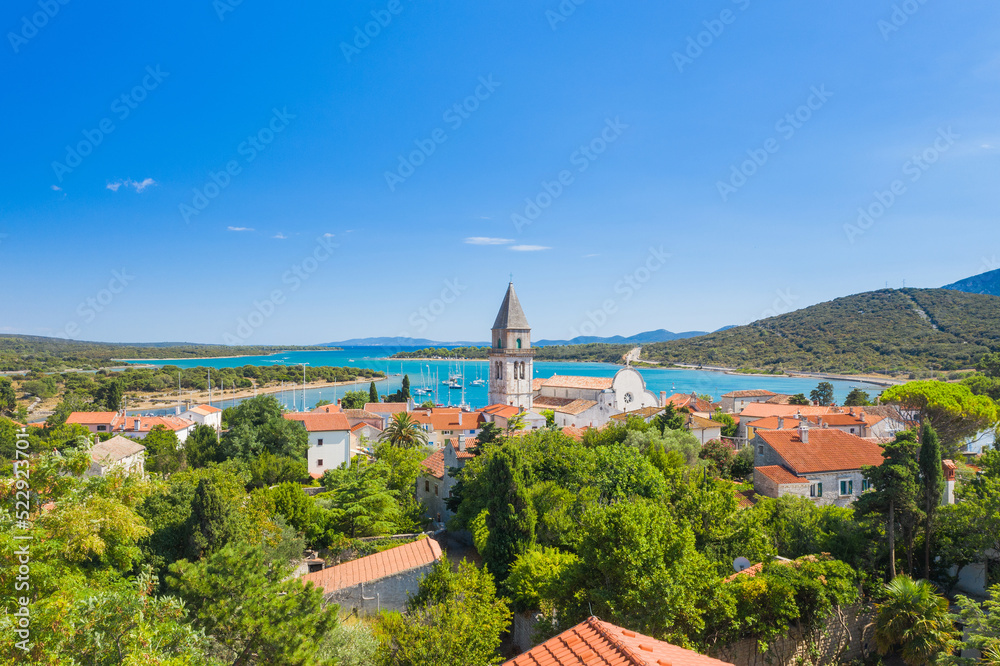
{"x":576,"y":401}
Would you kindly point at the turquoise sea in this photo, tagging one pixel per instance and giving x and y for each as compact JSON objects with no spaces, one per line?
{"x":432,"y":373}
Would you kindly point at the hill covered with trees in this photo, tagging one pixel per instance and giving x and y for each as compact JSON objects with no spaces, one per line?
{"x":887,"y":331}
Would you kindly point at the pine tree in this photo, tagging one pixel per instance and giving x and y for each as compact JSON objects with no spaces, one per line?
{"x":372,"y":393}
{"x":210,"y":521}
{"x":511,"y":519}
{"x":406,"y":388}
{"x":933,"y":486}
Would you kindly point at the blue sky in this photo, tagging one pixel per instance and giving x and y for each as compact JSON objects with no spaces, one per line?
{"x":645,"y":110}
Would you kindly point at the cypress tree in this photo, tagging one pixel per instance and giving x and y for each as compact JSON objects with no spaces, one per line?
{"x":210,"y":521}
{"x":406,"y":388}
{"x":372,"y":393}
{"x":511,"y":518}
{"x":933,"y":486}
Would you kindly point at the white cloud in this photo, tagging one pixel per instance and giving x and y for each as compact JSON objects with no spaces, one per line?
{"x":486,"y":240}
{"x":279,"y":236}
{"x":56,"y":188}
{"x":239,"y":228}
{"x":138,"y":186}
{"x":529,"y":248}
{"x":328,"y":235}
{"x":588,"y":256}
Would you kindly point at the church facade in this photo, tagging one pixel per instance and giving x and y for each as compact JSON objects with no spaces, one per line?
{"x":575,"y":401}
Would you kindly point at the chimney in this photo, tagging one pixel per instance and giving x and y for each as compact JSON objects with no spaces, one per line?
{"x":97,"y":440}
{"x":138,"y":423}
{"x":461,"y":442}
{"x":663,"y":398}
{"x":781,"y":423}
{"x":804,"y":432}
{"x":338,"y":402}
{"x":851,"y":411}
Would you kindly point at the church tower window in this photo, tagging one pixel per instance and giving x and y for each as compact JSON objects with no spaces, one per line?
{"x":519,"y":343}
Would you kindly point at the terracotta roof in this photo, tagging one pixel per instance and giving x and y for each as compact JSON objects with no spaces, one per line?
{"x":746,"y":498}
{"x":574,"y":432}
{"x":762,"y":409}
{"x":838,"y":420}
{"x":749,"y":572}
{"x":949,"y":464}
{"x":375,"y":567}
{"x":749,"y":393}
{"x":448,"y":419}
{"x":644,"y":413}
{"x":779,"y":474}
{"x":205,"y":410}
{"x":434,"y":463}
{"x":569,"y":381}
{"x":594,"y":642}
{"x":695,"y":422}
{"x":320,"y":422}
{"x":359,"y":414}
{"x":537,"y":383}
{"x":147,"y":423}
{"x":503,"y":411}
{"x":576,"y":407}
{"x":328,"y":409}
{"x":780,"y":399}
{"x":114,"y":450}
{"x":549,"y":402}
{"x":692,"y":402}
{"x":771,"y":423}
{"x":385,"y":407}
{"x":359,"y":426}
{"x":92,"y":418}
{"x":827,"y":450}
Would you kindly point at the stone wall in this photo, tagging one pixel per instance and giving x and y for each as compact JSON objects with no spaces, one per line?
{"x":389,"y":593}
{"x":848,"y":635}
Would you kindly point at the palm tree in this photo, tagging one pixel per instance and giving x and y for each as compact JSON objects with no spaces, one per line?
{"x":914,"y":619}
{"x":404,"y":432}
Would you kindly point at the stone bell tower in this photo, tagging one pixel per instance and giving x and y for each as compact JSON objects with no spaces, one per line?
{"x":510,"y":355}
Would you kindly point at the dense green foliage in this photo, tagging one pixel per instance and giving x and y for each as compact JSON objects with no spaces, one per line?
{"x":890,"y":330}
{"x":32,"y":352}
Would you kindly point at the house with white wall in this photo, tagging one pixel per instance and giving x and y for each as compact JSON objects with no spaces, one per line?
{"x":329,"y":440}
{"x":204,"y":415}
{"x":117,"y":453}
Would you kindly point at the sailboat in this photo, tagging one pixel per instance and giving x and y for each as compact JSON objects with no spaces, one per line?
{"x":478,"y":381}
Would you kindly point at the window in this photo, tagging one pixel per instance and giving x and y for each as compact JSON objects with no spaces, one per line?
{"x":846,"y":486}
{"x":816,"y":490}
{"x":760,"y":449}
{"x":427,"y":486}
{"x":319,"y":462}
{"x":499,"y":343}
{"x":865,"y":485}
{"x":852,"y":431}
{"x":102,"y":428}
{"x":319,"y":442}
{"x":435,"y":489}
{"x":519,"y":343}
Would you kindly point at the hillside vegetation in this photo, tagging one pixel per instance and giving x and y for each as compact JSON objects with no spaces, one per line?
{"x":888,"y":331}
{"x":33,"y":352}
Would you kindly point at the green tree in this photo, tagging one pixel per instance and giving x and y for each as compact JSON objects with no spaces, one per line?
{"x":164,"y":454}
{"x":360,"y":501}
{"x":282,"y":437}
{"x":110,"y":394}
{"x":8,"y":399}
{"x":798,"y":399}
{"x":823,"y":393}
{"x":669,"y":419}
{"x":857,"y":398}
{"x":294,"y":505}
{"x":427,"y":404}
{"x":405,"y":390}
{"x":268,"y":470}
{"x":894,"y":493}
{"x":953,"y":410}
{"x":202,"y":447}
{"x":254,"y":610}
{"x":915,"y":620}
{"x":488,"y":434}
{"x":455,"y":619}
{"x":354,"y":400}
{"x":254,"y":411}
{"x":550,"y":417}
{"x":372,"y":393}
{"x":989,"y":364}
{"x":211,"y":522}
{"x":932,"y":480}
{"x":729,"y":425}
{"x":982,"y":629}
{"x":404,"y":432}
{"x":511,"y":520}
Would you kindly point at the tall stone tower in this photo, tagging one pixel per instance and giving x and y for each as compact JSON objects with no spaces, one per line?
{"x":510,"y":356}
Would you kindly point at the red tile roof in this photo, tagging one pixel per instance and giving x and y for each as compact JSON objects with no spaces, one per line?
{"x":549,"y":402}
{"x":828,"y":450}
{"x":749,"y":393}
{"x":147,"y":423}
{"x":328,"y":409}
{"x":320,"y":422}
{"x":204,"y":409}
{"x":570,"y":381}
{"x":386,"y":407}
{"x":93,"y":418}
{"x":762,"y":409}
{"x":537,"y":383}
{"x":576,"y":407}
{"x":643,"y":413}
{"x":692,"y":402}
{"x":359,"y":426}
{"x":749,"y":572}
{"x":574,"y":432}
{"x":114,"y":450}
{"x":771,"y":423}
{"x":359,"y":414}
{"x":695,"y":422}
{"x":503,"y":411}
{"x":779,"y":474}
{"x":448,"y":419}
{"x":597,"y":643}
{"x":375,"y":567}
{"x":434,"y":463}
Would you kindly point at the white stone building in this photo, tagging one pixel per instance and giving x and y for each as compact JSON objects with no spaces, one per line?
{"x":117,"y":453}
{"x":329,"y":440}
{"x":204,"y":415}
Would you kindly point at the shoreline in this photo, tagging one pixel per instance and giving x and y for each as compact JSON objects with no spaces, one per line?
{"x":154,"y":361}
{"x":201,"y":397}
{"x":876,"y":380}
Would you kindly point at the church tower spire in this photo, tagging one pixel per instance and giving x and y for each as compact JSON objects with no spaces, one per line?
{"x":511,"y":355}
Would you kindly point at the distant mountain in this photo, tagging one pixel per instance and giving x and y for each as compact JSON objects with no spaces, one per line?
{"x":984,"y":283}
{"x":646,"y":337}
{"x":890,"y":330}
{"x":400,"y":342}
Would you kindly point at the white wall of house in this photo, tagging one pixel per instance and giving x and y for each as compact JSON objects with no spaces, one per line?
{"x":214,"y":420}
{"x":328,"y":450}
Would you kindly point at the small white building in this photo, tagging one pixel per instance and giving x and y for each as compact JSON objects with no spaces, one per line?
{"x":204,"y":415}
{"x":735,"y":401}
{"x":329,"y":440}
{"x":117,"y":453}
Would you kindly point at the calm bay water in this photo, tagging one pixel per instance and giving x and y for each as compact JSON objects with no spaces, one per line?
{"x":432,"y":373}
